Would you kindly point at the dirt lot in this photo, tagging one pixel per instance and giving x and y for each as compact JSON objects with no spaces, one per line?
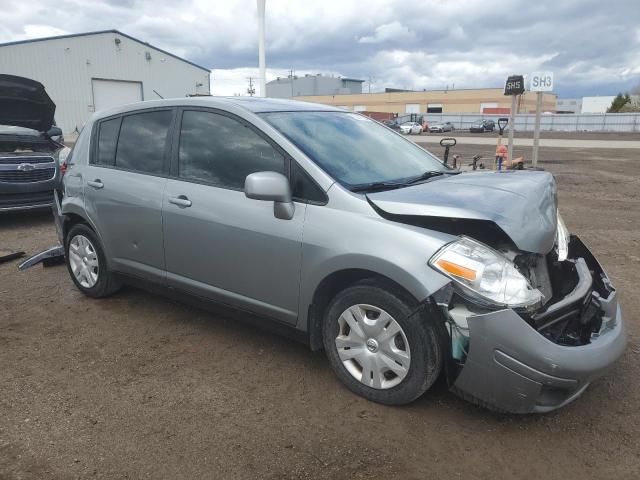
{"x":136,"y":386}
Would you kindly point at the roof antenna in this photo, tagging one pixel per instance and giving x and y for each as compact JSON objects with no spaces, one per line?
{"x":158,"y":94}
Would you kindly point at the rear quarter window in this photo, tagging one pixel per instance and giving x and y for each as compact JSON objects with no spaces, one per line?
{"x":107,"y":141}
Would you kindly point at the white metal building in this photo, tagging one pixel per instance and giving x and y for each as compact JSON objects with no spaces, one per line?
{"x":86,"y":72}
{"x":596,"y":104}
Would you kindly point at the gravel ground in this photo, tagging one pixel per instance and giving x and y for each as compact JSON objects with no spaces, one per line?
{"x":136,"y":386}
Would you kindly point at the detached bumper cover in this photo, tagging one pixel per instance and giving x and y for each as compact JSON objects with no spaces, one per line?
{"x":512,"y":367}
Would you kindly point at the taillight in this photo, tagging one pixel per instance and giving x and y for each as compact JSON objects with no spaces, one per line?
{"x":63,"y":168}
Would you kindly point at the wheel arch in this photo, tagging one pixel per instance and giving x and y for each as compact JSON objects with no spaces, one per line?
{"x":337,"y":281}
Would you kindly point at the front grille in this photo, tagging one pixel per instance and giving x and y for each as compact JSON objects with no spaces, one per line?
{"x":14,"y":200}
{"x":18,"y":176}
{"x":18,"y":159}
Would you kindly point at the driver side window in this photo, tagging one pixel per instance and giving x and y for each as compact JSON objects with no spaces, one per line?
{"x":221,"y":151}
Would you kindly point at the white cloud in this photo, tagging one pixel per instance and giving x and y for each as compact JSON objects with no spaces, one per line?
{"x":424,"y":44}
{"x":390,"y":32}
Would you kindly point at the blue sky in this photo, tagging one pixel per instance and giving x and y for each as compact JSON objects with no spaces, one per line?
{"x":593,"y":47}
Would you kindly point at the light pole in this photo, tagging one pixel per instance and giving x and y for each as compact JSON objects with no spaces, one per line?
{"x":261,"y":57}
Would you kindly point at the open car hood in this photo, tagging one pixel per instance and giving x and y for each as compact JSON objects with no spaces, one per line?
{"x":25,"y":103}
{"x":522,"y":204}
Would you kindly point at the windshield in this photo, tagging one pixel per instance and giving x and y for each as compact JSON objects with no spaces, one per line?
{"x":353,"y":149}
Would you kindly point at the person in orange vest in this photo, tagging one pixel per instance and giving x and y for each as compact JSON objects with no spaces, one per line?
{"x":501,"y":154}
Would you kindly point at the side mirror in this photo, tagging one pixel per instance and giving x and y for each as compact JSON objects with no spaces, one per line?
{"x":54,"y":132}
{"x":274,"y":187}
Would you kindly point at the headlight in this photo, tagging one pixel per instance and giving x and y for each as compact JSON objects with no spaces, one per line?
{"x":484,"y":274}
{"x":562,"y":240}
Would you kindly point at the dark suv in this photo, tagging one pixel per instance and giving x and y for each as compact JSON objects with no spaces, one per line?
{"x":481,"y":126}
{"x":30,"y":145}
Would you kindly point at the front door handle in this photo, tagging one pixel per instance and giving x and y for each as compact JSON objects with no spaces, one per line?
{"x":181,"y":201}
{"x":97,"y":183}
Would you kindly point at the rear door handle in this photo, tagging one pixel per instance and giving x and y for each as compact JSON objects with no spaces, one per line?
{"x":97,"y":183}
{"x":181,"y":201}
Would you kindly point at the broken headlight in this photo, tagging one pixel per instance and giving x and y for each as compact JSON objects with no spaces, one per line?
{"x":484,"y":274}
{"x":562,"y":240}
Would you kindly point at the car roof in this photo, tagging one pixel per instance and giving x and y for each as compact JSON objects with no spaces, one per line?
{"x":251,"y":104}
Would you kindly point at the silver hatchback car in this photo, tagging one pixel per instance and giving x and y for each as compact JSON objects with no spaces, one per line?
{"x":361,"y":242}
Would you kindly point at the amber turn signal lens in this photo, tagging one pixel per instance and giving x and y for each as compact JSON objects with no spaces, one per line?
{"x":457,"y":270}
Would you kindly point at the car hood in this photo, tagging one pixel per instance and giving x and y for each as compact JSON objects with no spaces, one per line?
{"x":522,"y":204}
{"x":25,"y":103}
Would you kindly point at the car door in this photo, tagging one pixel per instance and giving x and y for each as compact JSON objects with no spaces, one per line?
{"x":124,"y":183}
{"x":218,"y":243}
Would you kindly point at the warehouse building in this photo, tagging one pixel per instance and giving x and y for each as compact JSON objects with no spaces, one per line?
{"x":569,"y":105}
{"x":87,"y":72}
{"x":598,"y":104}
{"x":483,"y":100}
{"x":295,"y":86}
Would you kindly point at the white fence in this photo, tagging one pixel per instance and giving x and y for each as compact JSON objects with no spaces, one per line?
{"x":555,"y":122}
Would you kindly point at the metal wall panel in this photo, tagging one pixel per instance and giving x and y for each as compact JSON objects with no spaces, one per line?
{"x":66,"y":66}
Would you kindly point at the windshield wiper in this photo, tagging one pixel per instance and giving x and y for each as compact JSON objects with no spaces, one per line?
{"x":373,"y":186}
{"x":429,"y":174}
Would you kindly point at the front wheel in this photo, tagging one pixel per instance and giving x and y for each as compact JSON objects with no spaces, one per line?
{"x":380,"y":344}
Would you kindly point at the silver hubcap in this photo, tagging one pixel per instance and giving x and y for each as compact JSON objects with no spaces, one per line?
{"x":83,"y":260}
{"x":372,"y":346}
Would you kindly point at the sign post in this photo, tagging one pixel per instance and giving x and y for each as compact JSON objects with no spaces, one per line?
{"x":540,"y":82}
{"x":514,"y":87}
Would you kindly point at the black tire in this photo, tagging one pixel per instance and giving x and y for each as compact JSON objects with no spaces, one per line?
{"x":106,"y":283}
{"x":421,"y":333}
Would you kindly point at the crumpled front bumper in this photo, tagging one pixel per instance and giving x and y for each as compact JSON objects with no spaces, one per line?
{"x":512,"y":367}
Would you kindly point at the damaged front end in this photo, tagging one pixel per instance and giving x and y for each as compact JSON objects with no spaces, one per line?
{"x":543,"y":353}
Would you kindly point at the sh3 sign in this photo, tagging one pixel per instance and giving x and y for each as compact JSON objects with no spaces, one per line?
{"x":541,"y":82}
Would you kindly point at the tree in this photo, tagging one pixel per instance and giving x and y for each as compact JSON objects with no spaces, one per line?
{"x":619,"y":102}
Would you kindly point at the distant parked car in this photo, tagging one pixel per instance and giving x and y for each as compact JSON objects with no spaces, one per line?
{"x":441,"y":127}
{"x":411,"y":127}
{"x":481,"y":126}
{"x":392,"y":125}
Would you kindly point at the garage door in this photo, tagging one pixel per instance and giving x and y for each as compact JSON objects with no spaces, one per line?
{"x":111,"y":93}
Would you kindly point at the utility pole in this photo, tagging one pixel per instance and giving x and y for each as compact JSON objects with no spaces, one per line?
{"x":370,"y":80}
{"x":536,"y":130}
{"x":261,"y":55}
{"x":512,"y":121}
{"x":291,"y":77}
{"x":251,"y":90}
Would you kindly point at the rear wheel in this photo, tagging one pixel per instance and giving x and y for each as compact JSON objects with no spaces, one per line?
{"x":379,"y":346}
{"x":87,"y":264}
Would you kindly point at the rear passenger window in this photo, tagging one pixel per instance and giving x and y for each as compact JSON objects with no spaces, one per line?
{"x":107,"y":140}
{"x":143,"y":141}
{"x":220,"y":150}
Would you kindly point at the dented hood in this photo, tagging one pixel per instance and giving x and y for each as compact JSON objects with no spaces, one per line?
{"x":522,"y":203}
{"x":25,"y":103}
